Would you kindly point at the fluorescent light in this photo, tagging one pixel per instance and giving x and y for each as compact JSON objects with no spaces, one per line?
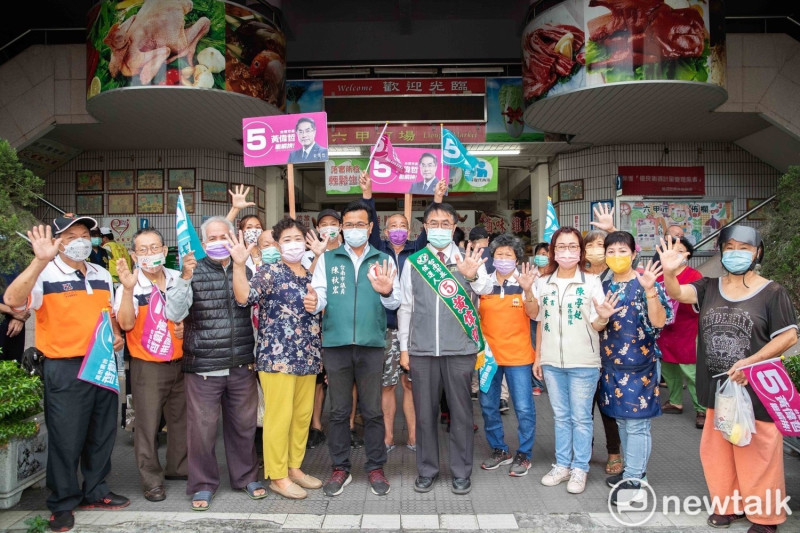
{"x":494,"y":152}
{"x":334,"y":72}
{"x":344,"y":152}
{"x":405,"y":70}
{"x":468,"y":70}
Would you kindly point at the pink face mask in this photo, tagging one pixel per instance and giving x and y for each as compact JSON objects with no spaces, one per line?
{"x":567,"y":259}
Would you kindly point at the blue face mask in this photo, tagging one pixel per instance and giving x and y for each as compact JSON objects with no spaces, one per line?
{"x":270,"y":255}
{"x":541,"y":260}
{"x":355,"y":237}
{"x":737,"y":261}
{"x":96,"y":241}
{"x":440,"y":237}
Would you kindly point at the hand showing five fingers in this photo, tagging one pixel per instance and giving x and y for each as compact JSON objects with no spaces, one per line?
{"x":604,"y":218}
{"x":239,"y":250}
{"x":528,"y":275}
{"x":608,"y":306}
{"x":671,"y":259}
{"x":647,"y":279}
{"x":471,"y":262}
{"x":381,"y":276}
{"x":317,"y":246}
{"x":239,"y":197}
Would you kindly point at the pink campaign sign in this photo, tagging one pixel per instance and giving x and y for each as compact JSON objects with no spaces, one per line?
{"x":776,"y":391}
{"x":281,"y":139}
{"x":422,"y":170}
{"x":155,"y":335}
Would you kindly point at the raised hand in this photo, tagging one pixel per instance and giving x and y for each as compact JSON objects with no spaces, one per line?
{"x":317,"y":246}
{"x":382,"y":277}
{"x":608,"y":306}
{"x":471,"y":262}
{"x":310,"y":299}
{"x":647,"y":279}
{"x":527,"y":276}
{"x":189,"y":263}
{"x":605,"y":218}
{"x":365,"y":182}
{"x":45,"y":247}
{"x":671,"y":259}
{"x":126,"y":277}
{"x":239,"y":250}
{"x":440,"y":191}
{"x":239,"y":197}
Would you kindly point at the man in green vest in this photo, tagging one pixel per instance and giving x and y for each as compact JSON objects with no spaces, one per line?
{"x":355,"y":284}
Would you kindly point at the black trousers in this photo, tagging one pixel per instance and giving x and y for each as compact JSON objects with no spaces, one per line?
{"x":430,"y":376}
{"x":81,"y":424}
{"x":12,"y":347}
{"x":363,"y":366}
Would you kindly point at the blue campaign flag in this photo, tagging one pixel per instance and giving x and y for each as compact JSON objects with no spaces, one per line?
{"x":454,"y":154}
{"x":188,"y":241}
{"x":99,"y":365}
{"x":551,"y":222}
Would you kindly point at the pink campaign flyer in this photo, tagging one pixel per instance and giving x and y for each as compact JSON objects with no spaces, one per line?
{"x":422,"y":171}
{"x":281,"y":139}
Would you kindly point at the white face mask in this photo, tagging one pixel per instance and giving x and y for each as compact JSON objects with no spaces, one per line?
{"x":151,"y":263}
{"x":331,"y":231}
{"x":79,"y":249}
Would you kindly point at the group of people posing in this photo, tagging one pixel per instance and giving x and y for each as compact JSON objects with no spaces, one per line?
{"x":350,"y":311}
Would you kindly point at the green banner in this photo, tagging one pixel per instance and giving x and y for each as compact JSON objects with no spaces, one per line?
{"x":342,"y":175}
{"x":482,"y":179}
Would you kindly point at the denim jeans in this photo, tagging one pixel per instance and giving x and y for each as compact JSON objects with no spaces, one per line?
{"x":571,"y":392}
{"x":518,"y":379}
{"x":636,"y":445}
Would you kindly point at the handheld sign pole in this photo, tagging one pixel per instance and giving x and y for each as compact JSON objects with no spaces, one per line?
{"x":372,"y":152}
{"x":290,"y":185}
{"x":407,"y":210}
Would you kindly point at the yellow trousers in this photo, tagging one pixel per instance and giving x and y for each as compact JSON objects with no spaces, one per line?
{"x":288,"y":402}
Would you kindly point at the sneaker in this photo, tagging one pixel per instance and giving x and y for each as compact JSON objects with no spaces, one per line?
{"x":577,"y":481}
{"x":537,"y":391}
{"x":504,"y":406}
{"x":316,"y":437}
{"x":616,"y":478}
{"x":62,"y":521}
{"x":338,"y":481}
{"x":520,"y":466}
{"x":355,"y":441}
{"x":629,"y":493}
{"x":378,"y":482}
{"x":110,"y":502}
{"x":557,"y":475}
{"x":498,"y":457}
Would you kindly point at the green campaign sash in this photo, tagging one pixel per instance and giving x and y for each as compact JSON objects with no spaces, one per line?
{"x":447,"y":287}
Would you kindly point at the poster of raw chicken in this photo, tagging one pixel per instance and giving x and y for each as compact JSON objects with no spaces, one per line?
{"x":591,"y":43}
{"x":206,"y":44}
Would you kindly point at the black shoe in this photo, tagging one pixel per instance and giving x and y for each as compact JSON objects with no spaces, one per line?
{"x":503,"y":406}
{"x":630,"y":493}
{"x":425,"y":484}
{"x":110,"y":502}
{"x":176,"y":478}
{"x":474,"y":396}
{"x":461,"y":485}
{"x":616,"y":478}
{"x":62,"y":521}
{"x":355,"y":440}
{"x":315,"y":438}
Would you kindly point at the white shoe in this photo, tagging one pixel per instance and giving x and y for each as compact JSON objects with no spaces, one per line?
{"x":577,"y":481}
{"x":557,"y":475}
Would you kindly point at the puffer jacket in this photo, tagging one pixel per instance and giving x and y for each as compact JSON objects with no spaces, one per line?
{"x":218,"y":333}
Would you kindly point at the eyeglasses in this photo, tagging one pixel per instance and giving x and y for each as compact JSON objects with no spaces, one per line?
{"x":565,"y":247}
{"x":436,"y":224}
{"x":155,"y":248}
{"x":358,"y":225}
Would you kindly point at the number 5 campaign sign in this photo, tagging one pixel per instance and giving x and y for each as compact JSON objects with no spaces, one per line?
{"x":776,"y":391}
{"x":281,"y":139}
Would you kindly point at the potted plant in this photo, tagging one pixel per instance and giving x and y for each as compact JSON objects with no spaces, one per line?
{"x":23,"y":435}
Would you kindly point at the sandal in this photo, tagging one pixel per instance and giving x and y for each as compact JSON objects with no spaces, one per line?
{"x":251,"y":488}
{"x":614,"y":466}
{"x":724,"y":520}
{"x":202,"y":496}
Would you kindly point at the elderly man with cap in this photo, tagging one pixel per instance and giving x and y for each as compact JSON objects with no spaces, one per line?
{"x":69,"y":295}
{"x":115,"y":251}
{"x":744,"y":319}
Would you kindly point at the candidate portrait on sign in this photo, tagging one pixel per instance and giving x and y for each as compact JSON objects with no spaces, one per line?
{"x":306,"y":131}
{"x":427,"y":169}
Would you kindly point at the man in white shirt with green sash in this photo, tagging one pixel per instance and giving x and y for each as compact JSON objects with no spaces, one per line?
{"x":439,"y":334}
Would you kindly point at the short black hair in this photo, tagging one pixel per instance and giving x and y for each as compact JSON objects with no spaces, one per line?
{"x":428,"y":154}
{"x":305,"y":119}
{"x":541,"y":246}
{"x":444,"y":206}
{"x":142,"y":232}
{"x":620,"y":237}
{"x":356,"y":205}
{"x":95,"y":232}
{"x":286,"y":223}
{"x":507,"y":239}
{"x":458,"y":235}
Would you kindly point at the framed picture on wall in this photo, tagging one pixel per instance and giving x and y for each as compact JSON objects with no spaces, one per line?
{"x":150,"y":179}
{"x":261,"y":201}
{"x":215,"y":191}
{"x":120,"y":180}
{"x":262,"y":215}
{"x":758,"y":215}
{"x":89,"y":204}
{"x":172,"y":202}
{"x":554,"y":194}
{"x":181,"y":177}
{"x":89,"y":180}
{"x":150,"y":203}
{"x":570,"y":190}
{"x":121,"y":204}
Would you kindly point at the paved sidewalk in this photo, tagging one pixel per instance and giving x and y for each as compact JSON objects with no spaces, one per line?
{"x":497,"y":501}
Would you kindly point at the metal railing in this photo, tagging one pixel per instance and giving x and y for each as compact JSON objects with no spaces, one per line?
{"x":44,"y":36}
{"x":713,"y":235}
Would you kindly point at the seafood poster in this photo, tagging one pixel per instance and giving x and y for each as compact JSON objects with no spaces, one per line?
{"x":205,"y":44}
{"x":590,"y":43}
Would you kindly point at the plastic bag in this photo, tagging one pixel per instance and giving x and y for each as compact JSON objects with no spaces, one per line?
{"x":733,"y":413}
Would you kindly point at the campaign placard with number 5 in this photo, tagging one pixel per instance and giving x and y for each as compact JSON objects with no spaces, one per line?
{"x":277,"y":140}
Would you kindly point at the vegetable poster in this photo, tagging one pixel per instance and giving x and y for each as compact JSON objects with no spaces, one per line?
{"x":504,"y":109}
